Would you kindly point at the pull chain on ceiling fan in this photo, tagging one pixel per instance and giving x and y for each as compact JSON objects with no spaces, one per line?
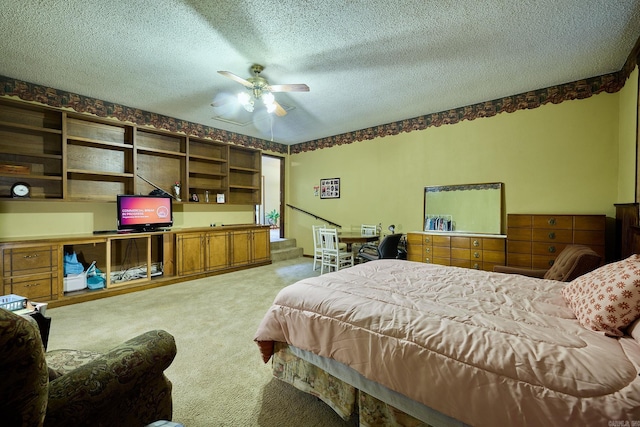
{"x":259,"y":88}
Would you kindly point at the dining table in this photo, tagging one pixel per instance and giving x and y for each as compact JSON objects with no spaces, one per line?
{"x":351,"y":237}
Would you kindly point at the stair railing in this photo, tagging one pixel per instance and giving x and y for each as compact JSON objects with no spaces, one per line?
{"x":315,"y":216}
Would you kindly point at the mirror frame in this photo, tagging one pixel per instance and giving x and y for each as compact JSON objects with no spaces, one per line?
{"x":462,"y":187}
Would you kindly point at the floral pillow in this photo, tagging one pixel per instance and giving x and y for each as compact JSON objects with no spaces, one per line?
{"x":607,"y":299}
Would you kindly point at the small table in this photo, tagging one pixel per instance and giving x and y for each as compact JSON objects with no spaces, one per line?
{"x":351,"y":237}
{"x":36,"y":311}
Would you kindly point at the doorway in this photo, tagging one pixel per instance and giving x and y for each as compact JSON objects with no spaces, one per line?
{"x":271,"y":210}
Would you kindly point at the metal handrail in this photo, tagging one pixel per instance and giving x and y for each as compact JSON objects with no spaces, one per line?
{"x":314,"y":215}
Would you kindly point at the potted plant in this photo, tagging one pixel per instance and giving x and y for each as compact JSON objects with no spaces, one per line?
{"x":272,"y":217}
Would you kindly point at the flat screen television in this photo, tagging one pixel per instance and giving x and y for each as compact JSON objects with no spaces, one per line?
{"x":144,"y":213}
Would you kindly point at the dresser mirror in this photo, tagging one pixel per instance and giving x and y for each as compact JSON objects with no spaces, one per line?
{"x":468,"y":208}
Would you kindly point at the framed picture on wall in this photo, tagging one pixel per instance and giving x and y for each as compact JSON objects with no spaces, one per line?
{"x":330,"y":188}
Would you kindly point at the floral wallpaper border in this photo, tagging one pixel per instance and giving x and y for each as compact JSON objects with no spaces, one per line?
{"x":580,"y":89}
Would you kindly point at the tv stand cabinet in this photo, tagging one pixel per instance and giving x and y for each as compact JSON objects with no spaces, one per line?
{"x":34,"y":267}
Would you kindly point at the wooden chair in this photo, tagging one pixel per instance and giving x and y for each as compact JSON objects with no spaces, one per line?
{"x":368,"y":230}
{"x":317,"y":247}
{"x":332,"y":256}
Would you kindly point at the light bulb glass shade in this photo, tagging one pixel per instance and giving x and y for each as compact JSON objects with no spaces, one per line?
{"x":244,"y":98}
{"x":270,"y":108}
{"x":268,"y":98}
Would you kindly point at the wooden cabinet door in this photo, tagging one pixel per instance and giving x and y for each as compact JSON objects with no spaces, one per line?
{"x":190,"y":253}
{"x":217,"y":251}
{"x":261,"y":245}
{"x":240,"y":247}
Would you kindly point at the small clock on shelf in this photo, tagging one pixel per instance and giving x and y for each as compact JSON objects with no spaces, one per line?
{"x":21,"y":190}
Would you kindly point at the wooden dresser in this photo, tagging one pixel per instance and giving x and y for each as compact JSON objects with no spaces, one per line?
{"x":477,"y":251}
{"x":534,"y":241}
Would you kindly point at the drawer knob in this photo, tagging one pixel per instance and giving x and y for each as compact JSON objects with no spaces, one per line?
{"x":476,"y":254}
{"x":427,"y":260}
{"x":476,"y":266}
{"x":552,"y":249}
{"x":427,"y":240}
{"x":552,"y":221}
{"x":551,"y":262}
{"x":31,"y":256}
{"x":476,"y":243}
{"x":552,"y":235}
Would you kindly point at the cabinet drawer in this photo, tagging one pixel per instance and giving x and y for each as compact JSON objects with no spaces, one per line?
{"x":553,"y":221}
{"x":35,"y":287}
{"x":31,"y":260}
{"x":493,"y":244}
{"x":550,"y":235}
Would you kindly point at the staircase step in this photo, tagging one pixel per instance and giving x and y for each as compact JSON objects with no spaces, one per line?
{"x":282,"y":249}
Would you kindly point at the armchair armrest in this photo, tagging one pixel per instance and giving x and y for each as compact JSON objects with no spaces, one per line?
{"x":535,"y":272}
{"x":84,"y":394}
{"x":368,"y":247}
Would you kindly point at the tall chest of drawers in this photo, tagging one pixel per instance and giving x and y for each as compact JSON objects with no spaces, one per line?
{"x":534,"y":241}
{"x":480,"y":252}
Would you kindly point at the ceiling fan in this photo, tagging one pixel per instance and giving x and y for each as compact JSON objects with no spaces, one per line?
{"x":259,"y":88}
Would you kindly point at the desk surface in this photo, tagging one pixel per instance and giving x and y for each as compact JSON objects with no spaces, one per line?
{"x":356,"y":237}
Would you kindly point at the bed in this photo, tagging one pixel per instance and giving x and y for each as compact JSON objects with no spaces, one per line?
{"x":406,"y":343}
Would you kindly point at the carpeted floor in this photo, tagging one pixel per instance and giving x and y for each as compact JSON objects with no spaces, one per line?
{"x":218,"y":377}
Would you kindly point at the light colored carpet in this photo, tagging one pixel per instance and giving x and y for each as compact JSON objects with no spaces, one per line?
{"x":218,"y":376}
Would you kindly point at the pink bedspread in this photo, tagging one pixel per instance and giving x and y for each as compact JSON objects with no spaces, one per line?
{"x":485,"y":348}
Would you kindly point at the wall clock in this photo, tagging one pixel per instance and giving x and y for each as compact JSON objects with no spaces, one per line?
{"x":21,"y":190}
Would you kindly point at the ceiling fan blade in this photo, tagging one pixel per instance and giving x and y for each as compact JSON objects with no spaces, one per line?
{"x":299,"y":87}
{"x":238,"y":79}
{"x":279,"y":110}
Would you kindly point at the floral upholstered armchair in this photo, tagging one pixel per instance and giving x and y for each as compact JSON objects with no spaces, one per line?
{"x":124,"y":387}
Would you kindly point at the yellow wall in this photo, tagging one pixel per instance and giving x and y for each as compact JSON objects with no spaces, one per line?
{"x":51,"y":218}
{"x":561,"y":158}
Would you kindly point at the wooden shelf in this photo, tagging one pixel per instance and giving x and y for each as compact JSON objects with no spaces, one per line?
{"x":72,"y":157}
{"x":98,"y":144}
{"x":29,"y":128}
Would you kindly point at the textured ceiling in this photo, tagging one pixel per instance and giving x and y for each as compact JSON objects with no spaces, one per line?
{"x":367,"y":62}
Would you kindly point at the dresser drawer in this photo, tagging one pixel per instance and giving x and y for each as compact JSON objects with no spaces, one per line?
{"x":550,"y":249}
{"x":30,"y":260}
{"x":519,"y":247}
{"x":589,"y":222}
{"x":414,"y":238}
{"x":549,"y":235}
{"x":460,"y":242}
{"x":519,"y":221}
{"x":492,"y":244}
{"x":458,"y":253}
{"x":553,"y":221}
{"x":588,"y":237}
{"x":523,"y":234}
{"x":493,"y":257}
{"x":441,"y":240}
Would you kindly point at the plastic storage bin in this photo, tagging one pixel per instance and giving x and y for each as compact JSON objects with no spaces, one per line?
{"x":13,"y":302}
